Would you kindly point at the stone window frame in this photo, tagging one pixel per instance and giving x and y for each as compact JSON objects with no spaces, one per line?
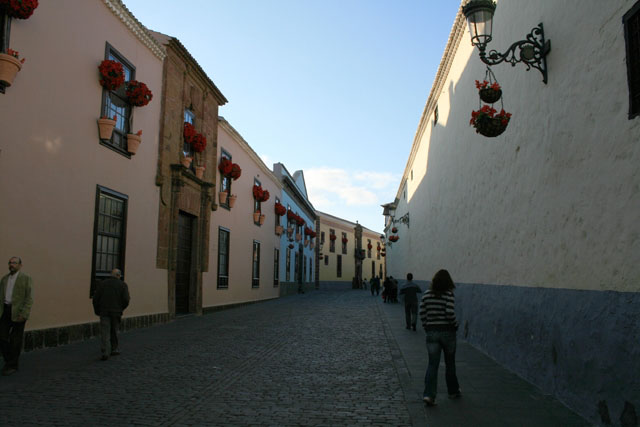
{"x":255,"y":265}
{"x":225,"y":181}
{"x":124,"y":111}
{"x":276,"y":267}
{"x":631,"y":23}
{"x":100,"y":217}
{"x":339,"y":266}
{"x":222,"y":281}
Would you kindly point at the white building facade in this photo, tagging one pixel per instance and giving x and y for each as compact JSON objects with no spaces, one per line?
{"x":538,"y":226}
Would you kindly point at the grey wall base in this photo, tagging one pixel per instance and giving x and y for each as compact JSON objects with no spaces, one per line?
{"x":291,"y":288}
{"x":53,"y":337}
{"x":581,"y":346}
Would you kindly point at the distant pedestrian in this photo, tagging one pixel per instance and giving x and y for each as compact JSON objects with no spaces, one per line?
{"x":109,"y":301}
{"x":437,"y":313}
{"x":386,"y":290}
{"x":364,"y":283}
{"x":410,"y":290}
{"x":16,"y":291}
{"x":394,"y":289}
{"x":375,"y":285}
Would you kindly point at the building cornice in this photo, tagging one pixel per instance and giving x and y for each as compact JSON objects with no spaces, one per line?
{"x":247,"y":149}
{"x":136,"y":27}
{"x":457,"y":31}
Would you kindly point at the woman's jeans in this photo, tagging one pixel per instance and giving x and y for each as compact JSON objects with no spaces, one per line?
{"x":437,"y":341}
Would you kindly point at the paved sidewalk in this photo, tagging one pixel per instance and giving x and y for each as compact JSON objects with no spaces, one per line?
{"x":324,"y":358}
{"x":492,"y":395}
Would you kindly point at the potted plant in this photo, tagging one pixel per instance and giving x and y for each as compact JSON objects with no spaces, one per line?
{"x":279,"y":230}
{"x":279,"y":209}
{"x":488,"y":123}
{"x":332,"y":237}
{"x":186,"y":161}
{"x":20,"y":9}
{"x":232,"y":200}
{"x":111,"y":73}
{"x":256,"y":216}
{"x":138,"y":94}
{"x":345,"y":240}
{"x":262,"y":218}
{"x":133,"y":142}
{"x":306,"y":242}
{"x":312,"y":245}
{"x":394,"y":229}
{"x":260,"y":194}
{"x":199,"y":144}
{"x":298,"y":237}
{"x":489,"y":92}
{"x":222,"y":197}
{"x":105,"y":126}
{"x":10,"y":64}
{"x":224,"y":166}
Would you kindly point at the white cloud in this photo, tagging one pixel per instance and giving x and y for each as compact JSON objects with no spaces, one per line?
{"x":378,"y":180}
{"x":341,"y":186}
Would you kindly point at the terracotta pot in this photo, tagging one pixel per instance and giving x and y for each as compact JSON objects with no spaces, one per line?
{"x":312,"y":245}
{"x":199,"y":172}
{"x":256,"y":216}
{"x":289,"y":231}
{"x":298,"y":237}
{"x":262,"y":218}
{"x":133,"y":142}
{"x":222,"y":197}
{"x":232,"y":200}
{"x":9,"y":67}
{"x":306,"y":243}
{"x":279,"y":230}
{"x":105,"y":128}
{"x":186,"y":161}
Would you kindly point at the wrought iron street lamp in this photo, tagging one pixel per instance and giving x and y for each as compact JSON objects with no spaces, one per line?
{"x":531,"y":51}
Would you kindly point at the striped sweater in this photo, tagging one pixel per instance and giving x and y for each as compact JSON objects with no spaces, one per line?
{"x":437,"y":313}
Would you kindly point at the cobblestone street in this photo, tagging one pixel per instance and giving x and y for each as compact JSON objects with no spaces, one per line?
{"x":322,"y":359}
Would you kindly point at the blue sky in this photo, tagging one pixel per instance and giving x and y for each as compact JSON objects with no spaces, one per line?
{"x":332,"y":87}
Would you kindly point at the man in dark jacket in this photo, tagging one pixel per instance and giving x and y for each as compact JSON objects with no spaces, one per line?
{"x":410,"y":291}
{"x":109,"y":301}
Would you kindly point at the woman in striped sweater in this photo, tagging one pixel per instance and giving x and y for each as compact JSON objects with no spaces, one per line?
{"x":439,"y":321}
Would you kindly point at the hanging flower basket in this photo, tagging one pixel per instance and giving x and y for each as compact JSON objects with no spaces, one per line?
{"x":290,"y":245}
{"x":111,"y":73}
{"x":394,"y":238}
{"x":10,"y":64}
{"x":21,"y":9}
{"x":138,"y":94}
{"x":488,"y":123}
{"x":133,"y":142}
{"x":105,"y":127}
{"x":489,"y":92}
{"x":394,"y":230}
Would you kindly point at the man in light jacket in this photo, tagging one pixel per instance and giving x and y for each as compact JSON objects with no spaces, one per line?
{"x":109,"y":301}
{"x":17,"y":298}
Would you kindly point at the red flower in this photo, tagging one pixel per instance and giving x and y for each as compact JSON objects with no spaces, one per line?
{"x":394,"y":230}
{"x":199,"y":143}
{"x":300,"y":220}
{"x":225,"y":166}
{"x":112,"y":73}
{"x":332,"y":237}
{"x":235,"y":171}
{"x":280,"y":209}
{"x":345,"y":240}
{"x":291,"y":216}
{"x":138,"y":93}
{"x":369,"y":246}
{"x":21,"y":9}
{"x":259,"y":194}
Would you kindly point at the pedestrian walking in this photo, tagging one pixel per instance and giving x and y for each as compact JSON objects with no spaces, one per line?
{"x":16,"y":291}
{"x":364,"y":283}
{"x":109,"y":301}
{"x":393,"y":289}
{"x":437,"y":313}
{"x":410,"y":291}
{"x":386,"y":290}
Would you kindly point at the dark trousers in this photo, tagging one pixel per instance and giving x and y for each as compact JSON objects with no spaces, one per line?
{"x":411,"y":314}
{"x":109,"y":333}
{"x":11,"y":334}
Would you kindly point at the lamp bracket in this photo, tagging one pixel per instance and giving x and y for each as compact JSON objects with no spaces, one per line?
{"x":404,"y":219}
{"x":532,"y":52}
